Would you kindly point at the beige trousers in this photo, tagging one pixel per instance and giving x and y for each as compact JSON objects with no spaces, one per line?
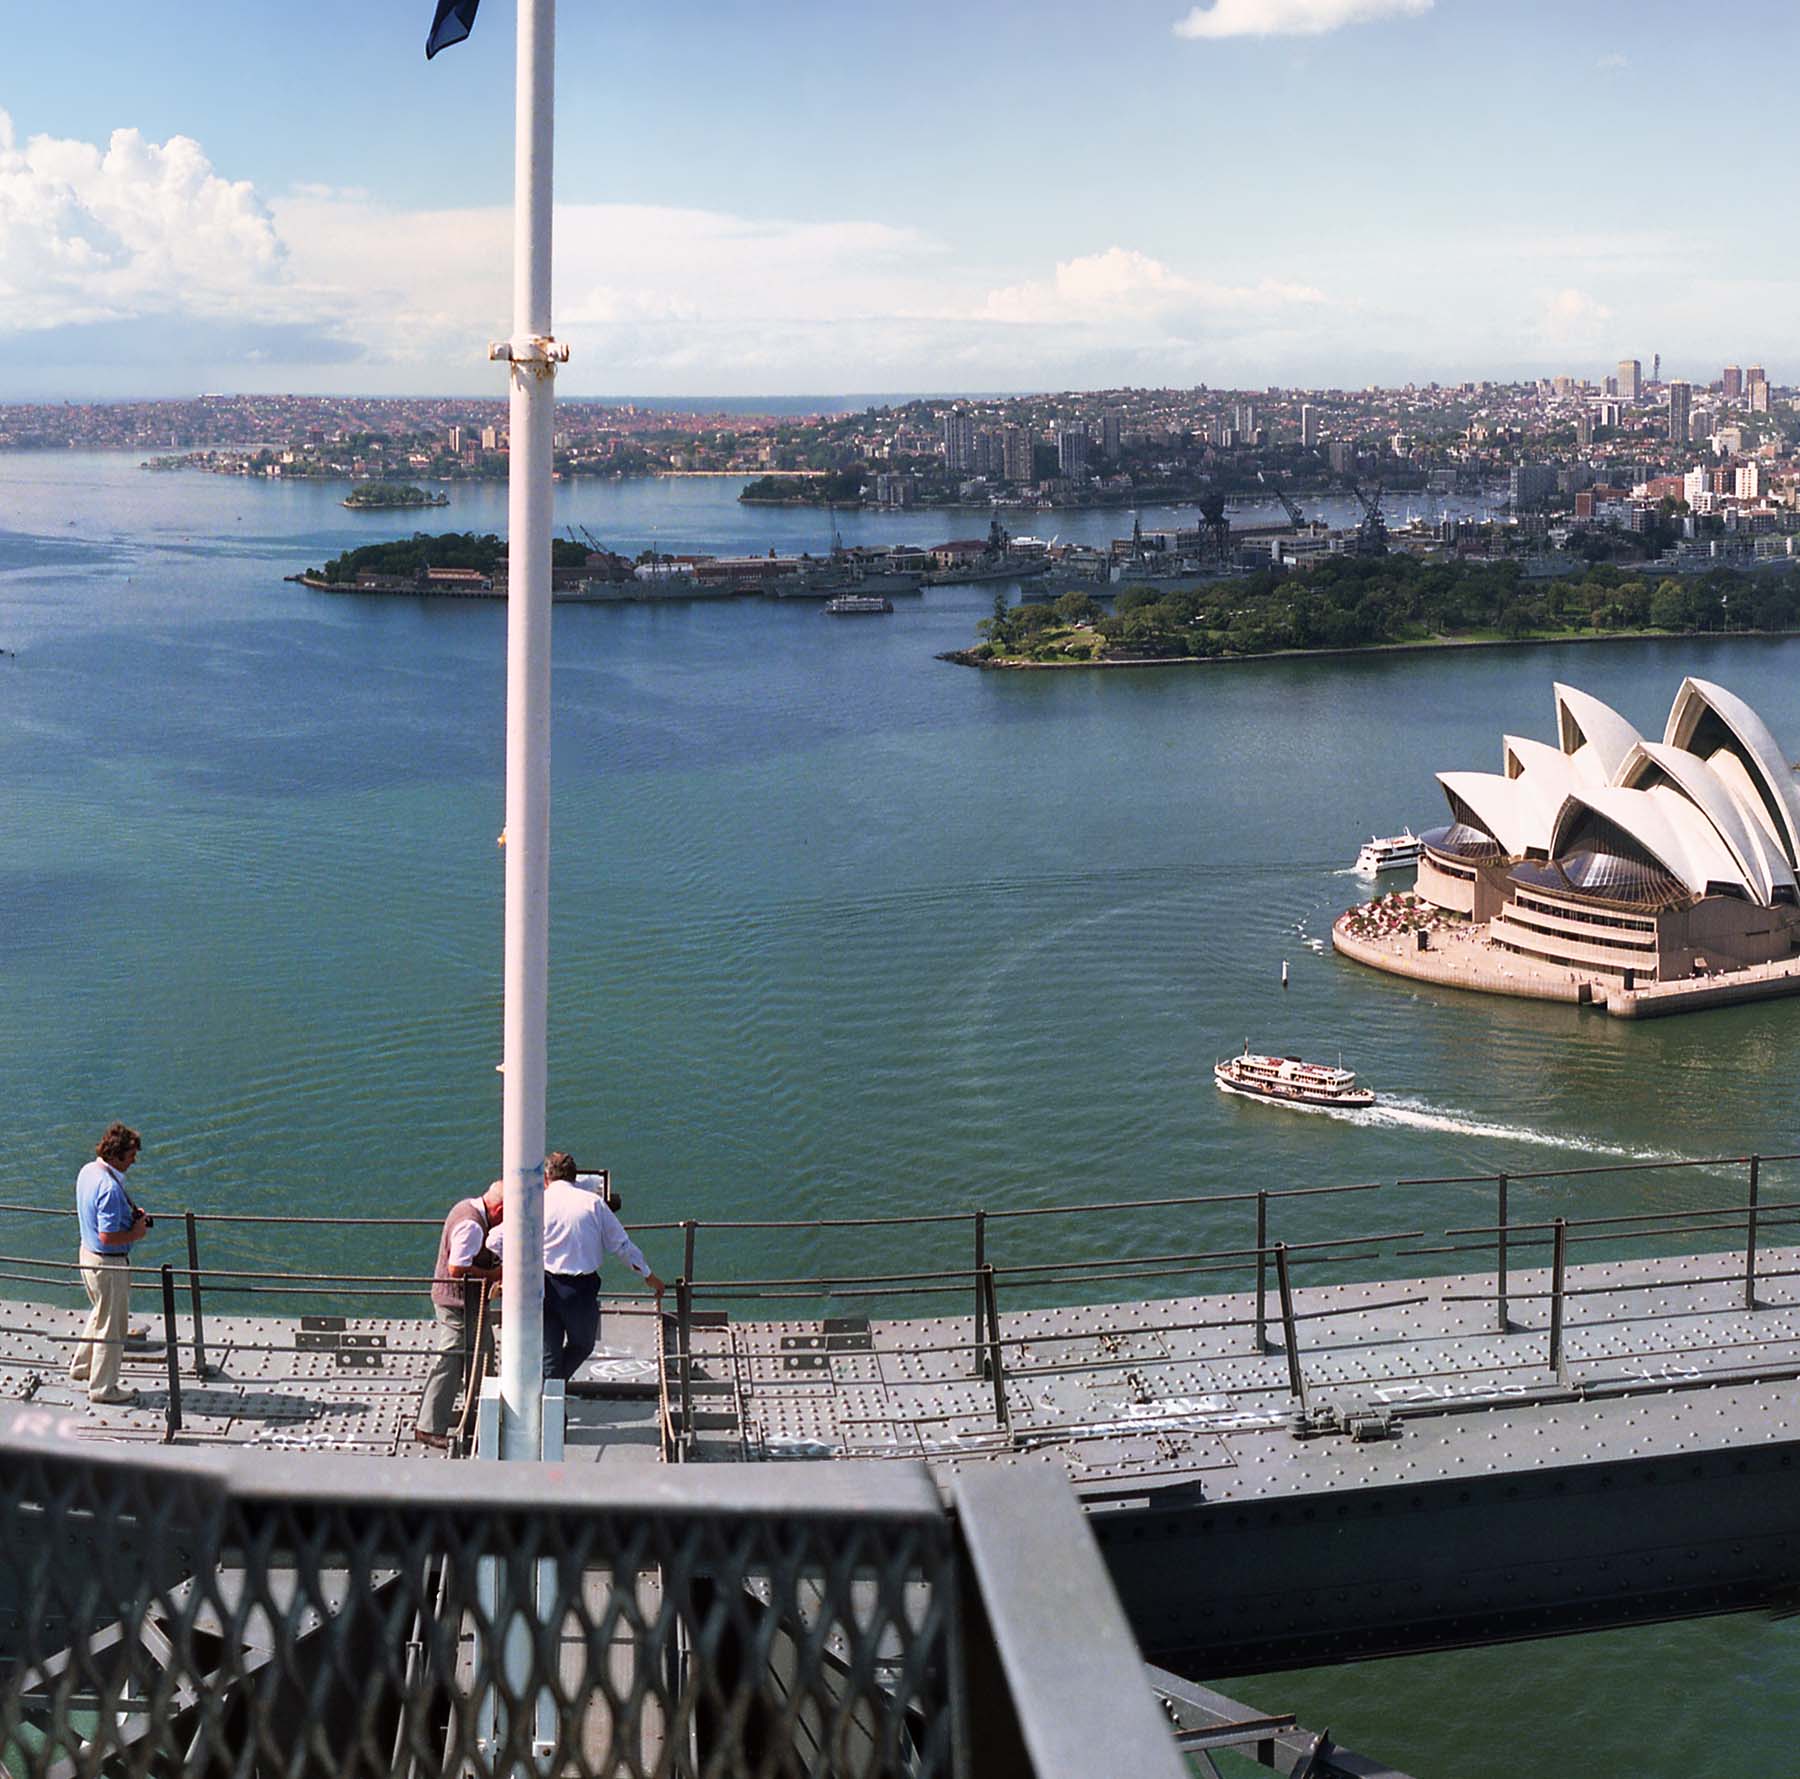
{"x":96,"y":1362}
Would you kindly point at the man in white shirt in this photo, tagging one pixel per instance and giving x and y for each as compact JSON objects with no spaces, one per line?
{"x":580,"y":1230}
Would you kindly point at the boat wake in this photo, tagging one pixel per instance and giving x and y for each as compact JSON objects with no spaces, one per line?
{"x":1404,"y":1113}
{"x":1420,"y":1115}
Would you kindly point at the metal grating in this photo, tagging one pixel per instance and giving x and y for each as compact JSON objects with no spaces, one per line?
{"x":195,"y":1613}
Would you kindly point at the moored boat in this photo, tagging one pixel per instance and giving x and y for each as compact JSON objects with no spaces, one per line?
{"x":1288,"y":1080}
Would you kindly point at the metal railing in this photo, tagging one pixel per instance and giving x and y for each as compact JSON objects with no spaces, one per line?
{"x":263,"y":1615}
{"x":980,"y":1273}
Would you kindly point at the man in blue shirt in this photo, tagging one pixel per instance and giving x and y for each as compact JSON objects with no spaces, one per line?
{"x":110,"y":1226}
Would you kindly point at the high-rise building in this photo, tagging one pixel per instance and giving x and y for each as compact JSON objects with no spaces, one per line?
{"x":1758,"y":391}
{"x":1531,"y":483}
{"x":1309,"y":425}
{"x":1343,"y":457}
{"x":456,"y":436}
{"x":1109,"y":436}
{"x":1681,"y":400}
{"x":1016,"y":456}
{"x":989,"y":453}
{"x":1731,"y":383}
{"x":1584,"y":428}
{"x":1749,"y":481}
{"x":490,"y":438}
{"x":1631,"y":379}
{"x":959,"y":440}
{"x":1072,"y":453}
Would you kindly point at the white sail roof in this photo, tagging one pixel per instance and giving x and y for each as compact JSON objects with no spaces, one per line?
{"x":1714,"y":802}
{"x":1519,"y":812}
{"x":1750,"y":843}
{"x":1666,"y":825}
{"x":1757,"y":774}
{"x":1582,"y":722}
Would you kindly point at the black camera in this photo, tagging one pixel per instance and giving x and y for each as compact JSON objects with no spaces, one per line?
{"x":149,"y":1221}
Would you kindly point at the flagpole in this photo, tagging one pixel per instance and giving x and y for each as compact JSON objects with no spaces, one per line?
{"x":533,"y":355}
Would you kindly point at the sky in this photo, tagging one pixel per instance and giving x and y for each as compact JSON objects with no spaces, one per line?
{"x":807,"y":197}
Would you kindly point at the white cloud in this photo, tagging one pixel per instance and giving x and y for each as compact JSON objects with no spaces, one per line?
{"x":93,"y":234}
{"x":138,"y":262}
{"x":1614,"y":63}
{"x":1121,"y":283}
{"x":1290,"y":18}
{"x":1574,"y":318}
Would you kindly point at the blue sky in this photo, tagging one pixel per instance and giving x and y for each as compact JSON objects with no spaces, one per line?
{"x":813,"y":198}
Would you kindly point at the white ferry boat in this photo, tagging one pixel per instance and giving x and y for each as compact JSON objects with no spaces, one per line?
{"x":853,"y":605}
{"x":1288,"y":1079}
{"x":1392,"y":854}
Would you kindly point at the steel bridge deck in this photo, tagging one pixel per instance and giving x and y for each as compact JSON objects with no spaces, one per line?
{"x":1414,"y":1479}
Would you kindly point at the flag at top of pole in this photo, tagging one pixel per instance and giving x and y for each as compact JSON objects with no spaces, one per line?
{"x":455,"y":19}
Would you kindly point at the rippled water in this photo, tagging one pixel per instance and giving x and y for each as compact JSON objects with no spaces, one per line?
{"x":837,"y":929}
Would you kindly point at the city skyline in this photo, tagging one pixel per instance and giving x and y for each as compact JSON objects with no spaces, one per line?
{"x":1309,"y":193}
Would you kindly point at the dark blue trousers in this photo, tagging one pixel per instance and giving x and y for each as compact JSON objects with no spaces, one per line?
{"x":571,"y":1321}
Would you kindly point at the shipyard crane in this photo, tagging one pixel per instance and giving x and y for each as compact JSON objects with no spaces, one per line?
{"x":579,"y":534}
{"x":1216,"y":525}
{"x":1296,"y":518}
{"x":1371,"y":534}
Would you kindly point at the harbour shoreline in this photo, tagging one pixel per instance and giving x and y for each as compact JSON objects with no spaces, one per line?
{"x":1438,"y":645}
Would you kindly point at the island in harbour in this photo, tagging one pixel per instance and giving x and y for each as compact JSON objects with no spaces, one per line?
{"x":388,"y":497}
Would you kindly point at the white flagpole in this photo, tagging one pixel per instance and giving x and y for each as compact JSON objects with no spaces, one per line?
{"x":533,"y":355}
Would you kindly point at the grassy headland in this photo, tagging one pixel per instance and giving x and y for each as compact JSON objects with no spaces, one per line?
{"x":1350,"y":603}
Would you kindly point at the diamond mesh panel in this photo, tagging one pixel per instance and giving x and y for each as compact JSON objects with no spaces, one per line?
{"x":179,"y":1617}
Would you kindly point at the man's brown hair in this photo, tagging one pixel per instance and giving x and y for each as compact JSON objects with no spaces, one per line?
{"x":119,"y":1144}
{"x":559,"y":1165}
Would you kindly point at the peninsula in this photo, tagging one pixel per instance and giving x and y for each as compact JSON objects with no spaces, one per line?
{"x":1410,"y":598}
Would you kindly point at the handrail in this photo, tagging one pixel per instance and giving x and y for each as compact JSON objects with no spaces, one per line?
{"x":1574,"y":1173}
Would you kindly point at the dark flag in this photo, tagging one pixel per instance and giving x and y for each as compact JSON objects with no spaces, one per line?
{"x":455,"y":20}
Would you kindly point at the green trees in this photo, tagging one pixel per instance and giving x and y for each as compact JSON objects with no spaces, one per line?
{"x":1076,"y":607}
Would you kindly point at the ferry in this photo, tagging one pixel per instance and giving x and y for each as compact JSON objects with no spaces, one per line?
{"x":1288,"y":1079}
{"x":1391,"y":854}
{"x":851,"y":605}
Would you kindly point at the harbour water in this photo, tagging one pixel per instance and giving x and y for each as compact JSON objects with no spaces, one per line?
{"x":837,"y":929}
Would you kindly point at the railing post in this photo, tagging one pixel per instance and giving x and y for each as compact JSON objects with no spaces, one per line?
{"x":1500,"y":1257}
{"x":1556,"y":1295}
{"x":684,"y":1304}
{"x":172,"y":1353}
{"x":976,"y":1346}
{"x":193,"y":1248}
{"x":1750,"y":1236}
{"x":995,"y":1365}
{"x":1290,"y":1339}
{"x":1262,"y":1270}
{"x":687,"y":1248}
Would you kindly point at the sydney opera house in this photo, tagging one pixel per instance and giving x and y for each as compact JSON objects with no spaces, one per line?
{"x":1626,"y":859}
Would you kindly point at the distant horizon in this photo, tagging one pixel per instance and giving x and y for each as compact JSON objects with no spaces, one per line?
{"x":847,"y":402}
{"x":1360,"y":206}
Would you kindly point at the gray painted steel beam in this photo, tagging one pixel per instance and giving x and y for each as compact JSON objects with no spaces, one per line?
{"x":1057,"y":1636}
